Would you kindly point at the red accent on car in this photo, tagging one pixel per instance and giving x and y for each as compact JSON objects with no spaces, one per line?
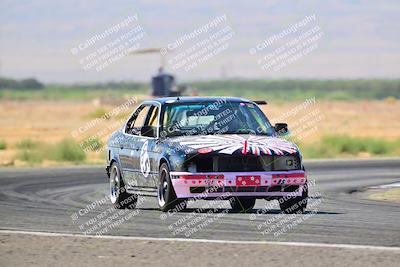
{"x":245,"y":147}
{"x":248,"y":180}
{"x":289,"y":175}
{"x":256,"y":151}
{"x":193,"y":177}
{"x":202,"y":177}
{"x":216,"y":176}
{"x":205,"y":150}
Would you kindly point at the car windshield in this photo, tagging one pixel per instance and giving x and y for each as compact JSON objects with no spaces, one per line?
{"x":215,"y":118}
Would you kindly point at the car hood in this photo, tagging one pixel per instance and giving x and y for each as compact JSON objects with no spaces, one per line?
{"x":231,"y":144}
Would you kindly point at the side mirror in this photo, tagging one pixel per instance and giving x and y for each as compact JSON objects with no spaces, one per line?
{"x":281,"y":129}
{"x":149,"y":131}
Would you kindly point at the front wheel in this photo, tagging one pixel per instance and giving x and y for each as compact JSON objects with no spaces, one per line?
{"x":239,"y":204}
{"x":295,"y":204}
{"x":118,"y":195}
{"x":166,"y":196}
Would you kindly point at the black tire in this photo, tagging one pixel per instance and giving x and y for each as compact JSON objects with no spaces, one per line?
{"x":166,"y":196}
{"x":239,"y":204}
{"x":296,"y":204}
{"x":118,"y":195}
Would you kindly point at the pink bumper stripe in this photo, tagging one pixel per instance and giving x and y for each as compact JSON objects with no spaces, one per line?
{"x":183,"y":182}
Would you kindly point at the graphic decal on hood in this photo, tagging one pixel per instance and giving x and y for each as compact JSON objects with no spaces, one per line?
{"x":252,"y":144}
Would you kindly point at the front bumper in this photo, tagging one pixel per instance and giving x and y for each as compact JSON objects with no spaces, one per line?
{"x":241,"y":184}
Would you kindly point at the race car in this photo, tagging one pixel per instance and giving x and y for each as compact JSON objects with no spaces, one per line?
{"x":188,"y":148}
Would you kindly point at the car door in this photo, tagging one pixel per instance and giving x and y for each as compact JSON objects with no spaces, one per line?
{"x":145,"y":161}
{"x":129,"y":146}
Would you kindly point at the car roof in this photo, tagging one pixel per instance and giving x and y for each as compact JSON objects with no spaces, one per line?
{"x":196,"y":99}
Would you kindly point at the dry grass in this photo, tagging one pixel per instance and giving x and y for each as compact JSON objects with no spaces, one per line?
{"x":380,"y":119}
{"x":390,"y":195}
{"x":52,"y":121}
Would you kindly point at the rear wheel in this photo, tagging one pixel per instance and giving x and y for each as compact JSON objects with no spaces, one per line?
{"x":239,"y":204}
{"x":166,"y":196}
{"x":295,"y":204}
{"x":118,"y":195}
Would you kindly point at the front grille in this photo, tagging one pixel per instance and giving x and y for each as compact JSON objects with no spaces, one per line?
{"x":291,"y":188}
{"x":238,"y":164}
{"x":247,"y":163}
{"x":230,"y":188}
{"x":278,"y":188}
{"x":202,"y":189}
{"x":195,"y":190}
{"x":241,"y":189}
{"x":246,"y":189}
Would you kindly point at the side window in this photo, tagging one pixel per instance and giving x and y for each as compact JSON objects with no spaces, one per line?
{"x":152,"y":118}
{"x":137,"y":120}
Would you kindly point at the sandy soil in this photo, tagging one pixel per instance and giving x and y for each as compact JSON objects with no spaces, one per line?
{"x":384,"y":194}
{"x":22,"y":250}
{"x":51,"y":121}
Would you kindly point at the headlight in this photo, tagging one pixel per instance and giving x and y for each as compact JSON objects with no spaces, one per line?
{"x":286,"y":163}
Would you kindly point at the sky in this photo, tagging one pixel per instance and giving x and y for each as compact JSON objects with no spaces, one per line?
{"x":350,"y":39}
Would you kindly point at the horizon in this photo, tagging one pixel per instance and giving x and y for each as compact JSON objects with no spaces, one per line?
{"x":240,"y":79}
{"x":355,"y":40}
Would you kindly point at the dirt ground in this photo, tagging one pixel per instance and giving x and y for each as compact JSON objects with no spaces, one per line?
{"x":23,"y":249}
{"x":383,"y":194}
{"x":51,"y":121}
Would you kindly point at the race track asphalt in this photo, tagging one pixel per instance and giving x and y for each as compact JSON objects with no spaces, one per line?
{"x":55,"y":200}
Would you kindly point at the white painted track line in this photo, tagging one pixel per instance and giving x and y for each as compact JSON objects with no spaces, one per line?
{"x":297,"y":244}
{"x":386,"y":186}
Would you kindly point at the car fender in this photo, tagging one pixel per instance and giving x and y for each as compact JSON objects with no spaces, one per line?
{"x":164,"y":157}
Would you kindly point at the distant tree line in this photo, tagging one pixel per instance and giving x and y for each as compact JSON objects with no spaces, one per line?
{"x":106,"y":85}
{"x":334,"y":89}
{"x":269,"y":89}
{"x":30,"y":84}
